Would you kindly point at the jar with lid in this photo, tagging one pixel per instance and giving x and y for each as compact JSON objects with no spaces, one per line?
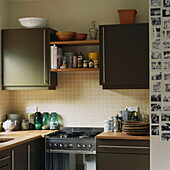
{"x":53,"y":121}
{"x":80,"y":60}
{"x":38,"y":120}
{"x":96,"y":63}
{"x":85,"y":63}
{"x":45,"y":120}
{"x":75,"y":61}
{"x":25,"y":124}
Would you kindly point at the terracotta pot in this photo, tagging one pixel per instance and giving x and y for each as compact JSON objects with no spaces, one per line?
{"x":127,"y":16}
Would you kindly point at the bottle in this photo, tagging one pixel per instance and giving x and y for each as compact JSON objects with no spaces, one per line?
{"x":91,"y":64}
{"x":136,"y":118}
{"x":38,"y":120}
{"x":45,"y":121}
{"x":53,"y":121}
{"x":85,"y":63}
{"x":80,"y":60}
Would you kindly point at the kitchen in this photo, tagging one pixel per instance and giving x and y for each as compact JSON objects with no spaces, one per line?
{"x":78,"y":98}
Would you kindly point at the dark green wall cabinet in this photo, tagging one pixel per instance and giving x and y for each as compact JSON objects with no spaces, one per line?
{"x":124,"y":56}
{"x":26,"y":59}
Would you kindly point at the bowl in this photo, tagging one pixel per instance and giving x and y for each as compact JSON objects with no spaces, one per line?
{"x":33,"y":22}
{"x":65,"y":35}
{"x":81,"y":36}
{"x":93,"y":56}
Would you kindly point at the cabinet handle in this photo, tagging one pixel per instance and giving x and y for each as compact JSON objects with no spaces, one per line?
{"x":123,"y":147}
{"x":29,"y":157}
{"x":7,"y":157}
{"x":104,"y":74}
{"x":44,"y":54}
{"x":13,"y":160}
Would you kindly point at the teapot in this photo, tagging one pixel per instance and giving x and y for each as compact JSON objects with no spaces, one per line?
{"x":8,"y":125}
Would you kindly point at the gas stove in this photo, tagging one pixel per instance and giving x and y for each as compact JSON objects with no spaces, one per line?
{"x":73,"y":140}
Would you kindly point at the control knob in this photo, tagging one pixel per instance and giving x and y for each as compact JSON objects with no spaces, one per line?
{"x":84,"y":146}
{"x":56,"y":145}
{"x":61,"y":145}
{"x":65,"y":145}
{"x":50,"y":145}
{"x":90,"y":146}
{"x":78,"y":145}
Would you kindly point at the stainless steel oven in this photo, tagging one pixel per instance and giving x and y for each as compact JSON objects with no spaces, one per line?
{"x":72,"y":149}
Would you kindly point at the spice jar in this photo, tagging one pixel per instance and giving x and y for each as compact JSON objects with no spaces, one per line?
{"x":25,"y":124}
{"x":85,"y":63}
{"x":96,"y":63}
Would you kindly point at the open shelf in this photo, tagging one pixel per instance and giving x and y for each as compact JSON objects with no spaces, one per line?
{"x":74,"y":69}
{"x":82,"y":42}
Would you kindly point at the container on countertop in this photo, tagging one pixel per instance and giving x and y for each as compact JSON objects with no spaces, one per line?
{"x":25,"y":124}
{"x":38,"y":121}
{"x":53,"y":121}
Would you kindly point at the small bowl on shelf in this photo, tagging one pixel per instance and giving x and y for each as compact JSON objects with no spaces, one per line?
{"x":65,"y":35}
{"x":81,"y":36}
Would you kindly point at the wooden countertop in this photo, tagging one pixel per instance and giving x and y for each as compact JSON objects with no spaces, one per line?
{"x":120,"y":135}
{"x":20,"y":137}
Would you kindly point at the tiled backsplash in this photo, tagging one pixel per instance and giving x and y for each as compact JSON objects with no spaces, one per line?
{"x":79,"y":99}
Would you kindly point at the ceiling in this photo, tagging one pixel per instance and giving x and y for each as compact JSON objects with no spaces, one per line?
{"x":23,"y":0}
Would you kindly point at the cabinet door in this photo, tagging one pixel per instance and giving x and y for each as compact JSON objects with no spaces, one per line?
{"x":24,"y":57}
{"x":124,"y":50}
{"x":108,"y":161}
{"x":34,"y":155}
{"x":19,"y":157}
{"x":5,"y":160}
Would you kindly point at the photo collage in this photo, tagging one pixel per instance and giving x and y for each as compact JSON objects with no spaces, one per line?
{"x":160,"y":69}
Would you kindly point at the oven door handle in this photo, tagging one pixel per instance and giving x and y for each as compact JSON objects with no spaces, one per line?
{"x":70,"y":151}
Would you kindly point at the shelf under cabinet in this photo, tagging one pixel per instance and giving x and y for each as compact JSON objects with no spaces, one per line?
{"x":74,"y":69}
{"x":81,"y":42}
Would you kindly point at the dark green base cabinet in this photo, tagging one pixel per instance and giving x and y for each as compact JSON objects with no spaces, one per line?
{"x":27,"y":156}
{"x":122,"y":155}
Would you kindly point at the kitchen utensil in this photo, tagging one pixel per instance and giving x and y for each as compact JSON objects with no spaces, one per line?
{"x":8,"y":125}
{"x":93,"y":56}
{"x":33,"y":22}
{"x":81,"y":36}
{"x":65,"y":35}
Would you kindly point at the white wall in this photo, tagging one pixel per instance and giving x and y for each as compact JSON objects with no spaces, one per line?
{"x":76,"y":15}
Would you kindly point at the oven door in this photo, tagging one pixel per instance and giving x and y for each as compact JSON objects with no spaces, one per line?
{"x":70,"y":161}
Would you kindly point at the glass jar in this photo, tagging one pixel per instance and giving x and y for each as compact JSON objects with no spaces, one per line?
{"x":75,"y":61}
{"x":85,"y":63}
{"x":25,"y":124}
{"x":17,"y":124}
{"x":96,"y":63}
{"x":46,"y":120}
{"x":38,"y":120}
{"x":31,"y":117}
{"x":93,"y":31}
{"x":53,"y":121}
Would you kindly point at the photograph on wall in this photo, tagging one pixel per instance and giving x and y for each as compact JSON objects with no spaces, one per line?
{"x":155,"y":130}
{"x":156,"y":75}
{"x":155,"y":107}
{"x":156,"y":32}
{"x":156,"y":86}
{"x":165,"y":117}
{"x":166,"y":3}
{"x":165,"y":137}
{"x":166,"y":23}
{"x":166,"y":108}
{"x":166,"y":34}
{"x":165,"y":13}
{"x":155,"y":97}
{"x":155,"y":12}
{"x":167,"y":65}
{"x":155,"y":118}
{"x":156,"y":55}
{"x":166,"y":44}
{"x":167,"y":87}
{"x":155,"y":3}
{"x":166,"y":54}
{"x":156,"y":44}
{"x":166,"y":97}
{"x":166,"y":75}
{"x":165,"y":127}
{"x":156,"y":65}
{"x":156,"y":21}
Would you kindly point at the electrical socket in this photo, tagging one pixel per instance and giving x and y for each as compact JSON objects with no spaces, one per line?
{"x":132,"y":109}
{"x":31,"y":109}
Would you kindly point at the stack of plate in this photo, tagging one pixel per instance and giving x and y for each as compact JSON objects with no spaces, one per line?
{"x":135,"y":128}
